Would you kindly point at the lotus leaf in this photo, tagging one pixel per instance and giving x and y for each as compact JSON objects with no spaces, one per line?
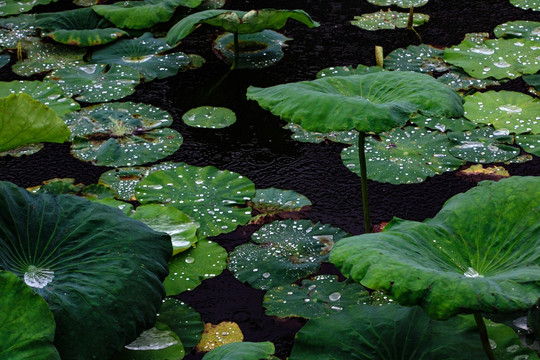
{"x":350,"y":102}
{"x":4,"y":59}
{"x":519,"y":29}
{"x":498,"y":58}
{"x":144,"y":54}
{"x":27,"y":329}
{"x":209,"y":117}
{"x":79,"y":27}
{"x":96,"y":82}
{"x":443,"y":124}
{"x":101,"y":290}
{"x":404,"y":156}
{"x":478,"y":173}
{"x":505,"y":110}
{"x":529,"y":143}
{"x":213,"y":335}
{"x":211,"y":4}
{"x":242,"y":351}
{"x":183,"y":320}
{"x":44,"y":57}
{"x":122,"y":134}
{"x":492,"y":264}
{"x":212,"y":197}
{"x":204,"y":260}
{"x":157,"y":343}
{"x":18,"y":29}
{"x":272,"y":201}
{"x":534,"y":5}
{"x":299,"y":134}
{"x":348,"y":70}
{"x":387,"y":20}
{"x":142,"y":14}
{"x":395,"y":332}
{"x":22,"y":150}
{"x":24,"y":120}
{"x":401,"y":3}
{"x":169,"y":220}
{"x":87,"y":3}
{"x":14,"y":7}
{"x":240,"y":22}
{"x":458,"y":80}
{"x":283,"y":252}
{"x":485,"y":145}
{"x":58,"y":186}
{"x":46,"y":93}
{"x":124,"y":180}
{"x":533,"y":80}
{"x":321,"y":296}
{"x":256,"y":51}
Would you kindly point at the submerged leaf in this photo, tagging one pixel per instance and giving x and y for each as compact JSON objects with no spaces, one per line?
{"x":387,"y":20}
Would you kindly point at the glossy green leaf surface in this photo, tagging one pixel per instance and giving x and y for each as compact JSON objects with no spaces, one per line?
{"x":23,"y":150}
{"x":349,"y":102}
{"x":401,"y":3}
{"x":272,"y":200}
{"x":15,"y":7}
{"x":183,"y":320}
{"x":24,"y":120}
{"x":96,"y":82}
{"x":459,"y":80}
{"x":505,"y":110}
{"x":209,"y":117}
{"x":404,"y":156}
{"x":484,"y":145}
{"x":44,"y":57}
{"x":282,"y":252}
{"x":145,"y":54}
{"x":321,"y":296}
{"x":533,"y":80}
{"x":420,"y":58}
{"x":157,"y":343}
{"x":533,"y":5}
{"x":387,"y":20}
{"x":214,"y":198}
{"x":104,"y":291}
{"x":494,"y":266}
{"x":443,"y":124}
{"x":17,"y":29}
{"x":348,"y":70}
{"x":518,"y":29}
{"x":299,"y":134}
{"x":27,"y":329}
{"x":529,"y":143}
{"x":244,"y":350}
{"x":187,"y":270}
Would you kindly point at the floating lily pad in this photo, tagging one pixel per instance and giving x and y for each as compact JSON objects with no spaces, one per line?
{"x":242,"y":351}
{"x":256,"y":51}
{"x":497,"y":58}
{"x":461,"y":250}
{"x":14,"y":7}
{"x":46,"y":93}
{"x":479,"y":173}
{"x":183,"y":320}
{"x":214,"y":198}
{"x":485,"y":145}
{"x":404,"y":156}
{"x":299,"y":134}
{"x":22,"y":150}
{"x":283,"y":252}
{"x":505,"y":110}
{"x":443,"y":124}
{"x":27,"y":329}
{"x":321,"y":296}
{"x":24,"y":120}
{"x":388,"y":20}
{"x":459,"y":80}
{"x":534,"y":5}
{"x":529,"y":143}
{"x":96,"y":82}
{"x":214,"y":336}
{"x":270,"y":204}
{"x":209,"y":117}
{"x":122,"y":134}
{"x":145,"y":54}
{"x":79,"y":27}
{"x":4,"y":59}
{"x":124,"y":180}
{"x":157,"y":343}
{"x":11,"y":36}
{"x":187,"y":270}
{"x":348,"y":70}
{"x":518,"y":29}
{"x":401,"y":3}
{"x":172,"y":221}
{"x":142,"y":14}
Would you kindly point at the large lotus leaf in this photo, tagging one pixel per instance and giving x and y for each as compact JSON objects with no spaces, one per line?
{"x":482,"y":246}
{"x":387,"y":20}
{"x":96,"y":82}
{"x":240,"y":22}
{"x":256,"y":51}
{"x":183,"y":320}
{"x":27,"y":325}
{"x":519,"y":29}
{"x":46,"y":93}
{"x":80,"y":27}
{"x":14,"y":7}
{"x":209,"y":117}
{"x":172,"y":221}
{"x":484,"y":145}
{"x":144,"y":54}
{"x":321,"y":296}
{"x":187,"y":270}
{"x":373,"y":102}
{"x":100,"y":271}
{"x":283,"y":252}
{"x":124,"y":180}
{"x":443,"y":124}
{"x":401,"y":3}
{"x":299,"y":134}
{"x":348,"y":70}
{"x":404,"y":156}
{"x":214,"y":198}
{"x":529,"y":143}
{"x":505,"y":110}
{"x":24,"y":120}
{"x":498,"y":58}
{"x":4,"y":60}
{"x":393,"y":332}
{"x":534,"y":5}
{"x":242,"y":351}
{"x":142,"y":14}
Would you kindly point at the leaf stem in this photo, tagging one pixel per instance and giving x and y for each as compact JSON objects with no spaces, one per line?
{"x":410,"y":23}
{"x":484,"y":335}
{"x":379,"y":56}
{"x":363,"y":180}
{"x":236,"y":50}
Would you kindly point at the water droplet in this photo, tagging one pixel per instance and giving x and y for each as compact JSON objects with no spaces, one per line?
{"x":38,"y":278}
{"x":334,"y":296}
{"x":510,"y":108}
{"x":266,"y":275}
{"x":190,"y":260}
{"x":472,"y":273}
{"x":492,"y":344}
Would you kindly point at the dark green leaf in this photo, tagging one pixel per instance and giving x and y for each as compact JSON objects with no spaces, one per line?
{"x":242,"y":351}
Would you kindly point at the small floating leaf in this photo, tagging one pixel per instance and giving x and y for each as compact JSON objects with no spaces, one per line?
{"x":484,"y":145}
{"x":209,"y":117}
{"x":183,"y":320}
{"x":242,"y":351}
{"x":387,"y":20}
{"x":518,"y":29}
{"x":275,"y":203}
{"x":44,"y":57}
{"x":157,"y":343}
{"x":479,"y":173}
{"x":529,"y":143}
{"x":534,"y":5}
{"x":406,"y":4}
{"x":225,"y":332}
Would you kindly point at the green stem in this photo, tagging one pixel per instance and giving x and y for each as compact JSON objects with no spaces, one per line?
{"x":363,"y":180}
{"x":484,"y":335}
{"x":236,"y":51}
{"x":410,"y":23}
{"x":379,"y":56}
